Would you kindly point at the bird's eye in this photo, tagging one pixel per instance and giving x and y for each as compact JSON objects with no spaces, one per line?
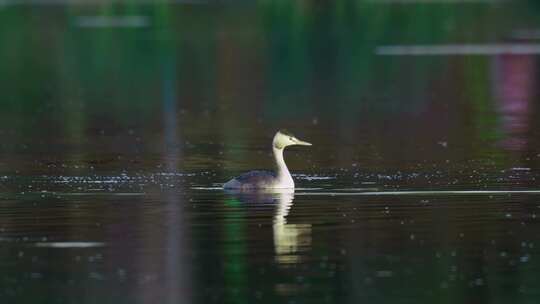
{"x":291,"y":138}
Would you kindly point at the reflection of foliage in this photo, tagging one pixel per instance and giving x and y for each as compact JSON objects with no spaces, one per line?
{"x":317,"y":56}
{"x":235,"y":251}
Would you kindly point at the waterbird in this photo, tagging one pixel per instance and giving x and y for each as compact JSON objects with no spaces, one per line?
{"x":281,"y":179}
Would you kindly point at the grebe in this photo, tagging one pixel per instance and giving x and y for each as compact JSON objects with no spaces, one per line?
{"x":281,"y":179}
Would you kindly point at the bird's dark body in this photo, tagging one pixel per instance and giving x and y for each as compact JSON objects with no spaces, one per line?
{"x":252,"y":180}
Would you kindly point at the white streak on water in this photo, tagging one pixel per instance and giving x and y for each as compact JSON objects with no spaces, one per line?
{"x":357,"y":189}
{"x":312,"y":178}
{"x":91,"y":2}
{"x":397,"y":193}
{"x":69,"y":244}
{"x":459,"y":49}
{"x":112,"y":21}
{"x":436,"y":1}
{"x":207,"y":188}
{"x":255,"y":190}
{"x":100,"y":193}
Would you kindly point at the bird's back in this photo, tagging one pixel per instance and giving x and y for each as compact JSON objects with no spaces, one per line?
{"x":252,"y":180}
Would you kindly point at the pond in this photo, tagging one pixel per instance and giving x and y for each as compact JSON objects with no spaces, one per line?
{"x":121,"y":121}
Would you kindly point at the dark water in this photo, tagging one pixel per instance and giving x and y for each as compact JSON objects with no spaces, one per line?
{"x":119,"y":122}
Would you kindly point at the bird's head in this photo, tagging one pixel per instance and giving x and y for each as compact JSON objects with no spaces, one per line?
{"x":284,"y":139}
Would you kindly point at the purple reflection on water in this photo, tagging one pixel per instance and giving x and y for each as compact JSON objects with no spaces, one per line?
{"x":514,"y":78}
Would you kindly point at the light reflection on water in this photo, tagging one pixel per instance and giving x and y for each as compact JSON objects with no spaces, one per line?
{"x":290,"y":240}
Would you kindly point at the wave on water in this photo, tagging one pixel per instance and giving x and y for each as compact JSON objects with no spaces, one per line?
{"x":338,"y":192}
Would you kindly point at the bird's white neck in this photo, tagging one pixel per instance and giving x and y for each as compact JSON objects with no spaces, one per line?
{"x":283,"y":175}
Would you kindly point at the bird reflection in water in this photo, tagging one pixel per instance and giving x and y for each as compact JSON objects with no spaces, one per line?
{"x":290,"y":240}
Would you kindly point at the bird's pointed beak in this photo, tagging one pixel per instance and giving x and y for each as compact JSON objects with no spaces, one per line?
{"x":302,"y":143}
